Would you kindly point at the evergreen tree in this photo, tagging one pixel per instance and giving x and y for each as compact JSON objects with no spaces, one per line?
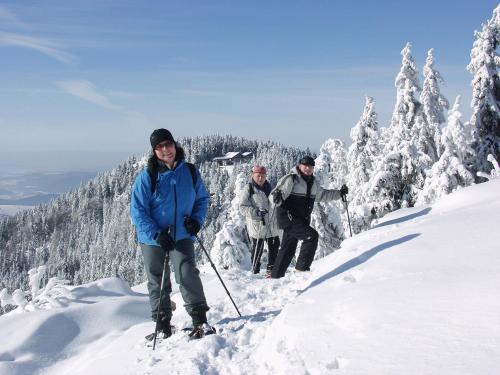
{"x":331,"y":164}
{"x":485,"y":103}
{"x":449,"y":173}
{"x":331,"y":173}
{"x":230,"y":248}
{"x":399,"y":174}
{"x":363,"y":152}
{"x":433,"y":105}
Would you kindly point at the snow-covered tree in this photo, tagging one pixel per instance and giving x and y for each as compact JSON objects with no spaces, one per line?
{"x":485,"y":103}
{"x":5,"y":298}
{"x":53,"y":294}
{"x":230,"y":248}
{"x":399,"y":173}
{"x":331,"y":173}
{"x":449,"y":173}
{"x":327,"y":221}
{"x":433,"y":106}
{"x":495,"y":172}
{"x":407,"y":105}
{"x":363,"y":152}
{"x":35,"y":278}
{"x":331,"y":164}
{"x":19,"y":299}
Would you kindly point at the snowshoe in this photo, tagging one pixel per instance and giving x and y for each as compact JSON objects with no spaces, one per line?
{"x":163,"y":333}
{"x":200,"y":331}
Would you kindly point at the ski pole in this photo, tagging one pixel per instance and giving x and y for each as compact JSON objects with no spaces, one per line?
{"x":255,"y":253}
{"x":167,"y":260}
{"x":255,"y":246}
{"x":257,"y":250}
{"x":265,"y":236}
{"x":344,"y":199}
{"x":165,"y":265}
{"x":220,"y":278}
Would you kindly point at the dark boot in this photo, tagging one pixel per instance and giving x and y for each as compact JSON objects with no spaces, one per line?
{"x":164,"y":327}
{"x":199,"y":315}
{"x":200,"y":326}
{"x":202,"y":330}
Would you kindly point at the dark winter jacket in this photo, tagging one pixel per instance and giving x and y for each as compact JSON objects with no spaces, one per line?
{"x":299,"y":194}
{"x":152,"y":212}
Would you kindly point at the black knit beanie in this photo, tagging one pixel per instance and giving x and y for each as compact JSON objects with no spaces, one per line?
{"x":159,"y":136}
{"x":307,"y":160}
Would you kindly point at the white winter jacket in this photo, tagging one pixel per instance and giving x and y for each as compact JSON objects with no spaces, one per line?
{"x":250,"y":204}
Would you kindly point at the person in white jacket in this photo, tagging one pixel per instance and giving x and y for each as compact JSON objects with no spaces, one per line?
{"x":260,"y":221}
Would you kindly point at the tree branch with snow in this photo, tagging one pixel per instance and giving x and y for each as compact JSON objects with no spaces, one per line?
{"x":495,"y":172}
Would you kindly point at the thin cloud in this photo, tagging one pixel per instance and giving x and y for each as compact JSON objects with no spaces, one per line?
{"x":122,"y":94}
{"x":87,"y":91}
{"x":41,"y":45}
{"x":7,"y":15}
{"x":199,"y":92}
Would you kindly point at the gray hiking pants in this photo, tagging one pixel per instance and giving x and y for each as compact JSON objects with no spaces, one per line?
{"x":186,"y":275}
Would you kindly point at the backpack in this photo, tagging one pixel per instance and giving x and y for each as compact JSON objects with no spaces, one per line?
{"x":251,"y":191}
{"x":192,"y":170}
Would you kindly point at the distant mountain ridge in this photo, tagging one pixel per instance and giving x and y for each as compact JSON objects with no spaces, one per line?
{"x":30,"y":201}
{"x":32,"y":188}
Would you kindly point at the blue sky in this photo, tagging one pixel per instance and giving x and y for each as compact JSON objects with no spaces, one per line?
{"x":101,"y":75}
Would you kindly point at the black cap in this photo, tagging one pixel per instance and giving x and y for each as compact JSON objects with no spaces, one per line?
{"x":307,"y":160}
{"x":159,"y":136}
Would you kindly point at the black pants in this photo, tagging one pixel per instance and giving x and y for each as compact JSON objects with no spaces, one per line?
{"x":298,"y":230}
{"x":186,"y":275}
{"x":273,"y":244}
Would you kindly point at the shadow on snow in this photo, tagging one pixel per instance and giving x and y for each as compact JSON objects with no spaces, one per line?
{"x":399,"y":220}
{"x":360,"y":259}
{"x":258,"y":317}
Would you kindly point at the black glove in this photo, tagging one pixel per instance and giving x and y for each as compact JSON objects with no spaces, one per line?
{"x":165,"y":240}
{"x":261,"y":213}
{"x":277,"y":197}
{"x":344,"y":190}
{"x":192,"y":226}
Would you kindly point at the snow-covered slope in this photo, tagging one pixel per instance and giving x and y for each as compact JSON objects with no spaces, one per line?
{"x":418,"y":294}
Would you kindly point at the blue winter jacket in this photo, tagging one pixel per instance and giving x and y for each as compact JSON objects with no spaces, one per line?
{"x":153,"y":212}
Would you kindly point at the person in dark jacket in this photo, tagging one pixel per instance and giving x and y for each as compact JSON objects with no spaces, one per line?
{"x":168,"y":207}
{"x":294,"y":197}
{"x":261,"y":223}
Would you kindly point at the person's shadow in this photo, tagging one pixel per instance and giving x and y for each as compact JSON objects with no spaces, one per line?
{"x":360,"y":259}
{"x":423,"y":212}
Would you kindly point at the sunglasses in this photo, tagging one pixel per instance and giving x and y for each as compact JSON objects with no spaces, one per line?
{"x":165,"y":144}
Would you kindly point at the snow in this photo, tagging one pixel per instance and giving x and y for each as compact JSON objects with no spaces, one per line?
{"x":230,"y":155}
{"x":417,"y":294}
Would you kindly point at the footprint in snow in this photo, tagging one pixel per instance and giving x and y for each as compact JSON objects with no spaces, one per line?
{"x":334,"y":365}
{"x":350,"y":279}
{"x":353,"y":276}
{"x":153,"y":361}
{"x":6,"y":357}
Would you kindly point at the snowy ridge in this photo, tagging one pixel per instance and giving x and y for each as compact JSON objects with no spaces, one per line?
{"x":417,"y":294}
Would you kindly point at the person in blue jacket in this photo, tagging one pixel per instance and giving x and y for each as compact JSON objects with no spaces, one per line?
{"x":169,"y":204}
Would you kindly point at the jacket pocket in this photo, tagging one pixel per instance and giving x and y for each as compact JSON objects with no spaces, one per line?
{"x":283,"y":218}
